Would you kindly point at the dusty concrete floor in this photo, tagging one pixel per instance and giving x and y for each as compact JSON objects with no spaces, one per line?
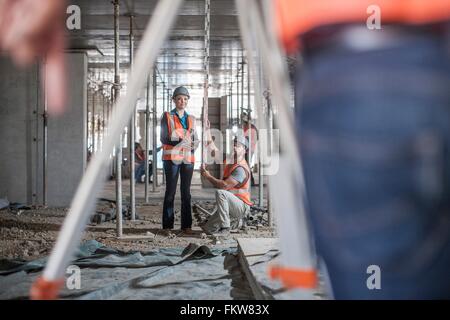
{"x":32,"y":233}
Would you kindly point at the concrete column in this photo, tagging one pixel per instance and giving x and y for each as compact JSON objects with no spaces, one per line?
{"x":67,"y":137}
{"x":20,"y":108}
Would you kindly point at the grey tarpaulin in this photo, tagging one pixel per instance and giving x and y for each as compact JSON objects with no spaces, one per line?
{"x":194,"y":272}
{"x":4,"y":203}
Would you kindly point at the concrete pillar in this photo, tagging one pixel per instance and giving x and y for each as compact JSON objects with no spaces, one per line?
{"x":67,"y":137}
{"x":20,"y":108}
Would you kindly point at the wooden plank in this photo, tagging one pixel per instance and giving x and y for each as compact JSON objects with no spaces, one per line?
{"x":251,"y":250}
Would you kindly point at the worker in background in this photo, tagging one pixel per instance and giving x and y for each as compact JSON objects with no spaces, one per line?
{"x":248,"y":128}
{"x":35,"y":29}
{"x":373,"y":116}
{"x":139,"y":156}
{"x":233,"y":191}
{"x":140,"y":163}
{"x":179,"y":139}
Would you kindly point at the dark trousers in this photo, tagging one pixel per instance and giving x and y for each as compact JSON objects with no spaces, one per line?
{"x":139,"y":171}
{"x":374,"y":129}
{"x":172,"y":171}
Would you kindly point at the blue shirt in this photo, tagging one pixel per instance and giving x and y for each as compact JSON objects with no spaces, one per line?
{"x":183,"y":120}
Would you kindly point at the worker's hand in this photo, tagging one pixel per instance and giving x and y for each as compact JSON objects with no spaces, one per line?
{"x":187,"y":143}
{"x":203,"y":170}
{"x":30,"y":29}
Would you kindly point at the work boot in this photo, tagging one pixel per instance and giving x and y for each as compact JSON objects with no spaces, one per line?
{"x":222,"y":232}
{"x":166,"y":232}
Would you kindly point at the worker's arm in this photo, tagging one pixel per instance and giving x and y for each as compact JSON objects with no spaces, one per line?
{"x":218,"y":183}
{"x":209,"y":140}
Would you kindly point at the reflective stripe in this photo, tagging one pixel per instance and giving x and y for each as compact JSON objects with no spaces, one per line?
{"x":238,"y":191}
{"x":173,"y":151}
{"x":171,"y":123}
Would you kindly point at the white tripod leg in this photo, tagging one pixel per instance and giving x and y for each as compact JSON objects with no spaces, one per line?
{"x":94,"y":178}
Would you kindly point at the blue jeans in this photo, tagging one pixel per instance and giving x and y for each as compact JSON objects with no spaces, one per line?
{"x":374,"y":131}
{"x":139,"y":171}
{"x":172,"y":171}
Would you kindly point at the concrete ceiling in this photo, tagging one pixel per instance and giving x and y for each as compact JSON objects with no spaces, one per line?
{"x":181,"y":58}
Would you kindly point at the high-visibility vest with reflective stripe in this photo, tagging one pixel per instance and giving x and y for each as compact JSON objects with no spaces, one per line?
{"x":294,"y":17}
{"x":242,"y":190}
{"x":175,"y":129}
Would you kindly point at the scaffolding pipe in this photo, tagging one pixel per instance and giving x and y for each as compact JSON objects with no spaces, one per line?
{"x":154,"y":114}
{"x":132,"y":133}
{"x":242,"y":88}
{"x":163,"y":179}
{"x":104,"y":119}
{"x":108,"y":117}
{"x":206,"y":81}
{"x":249,"y":126}
{"x":147,"y":136}
{"x":270,"y":138}
{"x":87,"y":119}
{"x":259,"y":147}
{"x":116,"y":98}
{"x":237,"y":95}
{"x":230,"y":109}
{"x":45,"y":144}
{"x":93,"y":121}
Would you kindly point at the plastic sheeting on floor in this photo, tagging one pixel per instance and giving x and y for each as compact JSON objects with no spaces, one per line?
{"x":194,"y":272}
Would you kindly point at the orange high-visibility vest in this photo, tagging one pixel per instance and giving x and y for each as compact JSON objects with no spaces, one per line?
{"x":175,"y":129}
{"x":242,"y":191}
{"x":294,"y":17}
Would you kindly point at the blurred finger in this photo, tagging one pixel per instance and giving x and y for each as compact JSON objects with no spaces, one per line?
{"x":5,"y":16}
{"x":23,"y":54}
{"x":13,"y":31}
{"x":55,"y":77}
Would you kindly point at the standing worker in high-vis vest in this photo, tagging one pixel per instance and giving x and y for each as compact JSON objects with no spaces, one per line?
{"x":373,"y":117}
{"x":179,"y":139}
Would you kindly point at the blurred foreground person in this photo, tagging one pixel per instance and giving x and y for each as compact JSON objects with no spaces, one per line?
{"x":373,"y":116}
{"x":31,"y":29}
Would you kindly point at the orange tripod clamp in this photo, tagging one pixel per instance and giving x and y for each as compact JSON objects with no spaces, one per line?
{"x":294,"y":278}
{"x":45,"y":290}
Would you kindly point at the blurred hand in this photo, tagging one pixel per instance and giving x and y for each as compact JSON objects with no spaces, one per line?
{"x":30,"y":29}
{"x":187,"y":143}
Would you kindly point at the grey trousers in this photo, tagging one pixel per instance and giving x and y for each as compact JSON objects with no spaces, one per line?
{"x":229,"y":214}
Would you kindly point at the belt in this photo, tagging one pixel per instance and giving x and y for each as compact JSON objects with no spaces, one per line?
{"x":356,"y":38}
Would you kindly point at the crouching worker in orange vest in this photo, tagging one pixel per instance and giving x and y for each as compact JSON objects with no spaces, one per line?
{"x":180,"y":141}
{"x":233,"y":194}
